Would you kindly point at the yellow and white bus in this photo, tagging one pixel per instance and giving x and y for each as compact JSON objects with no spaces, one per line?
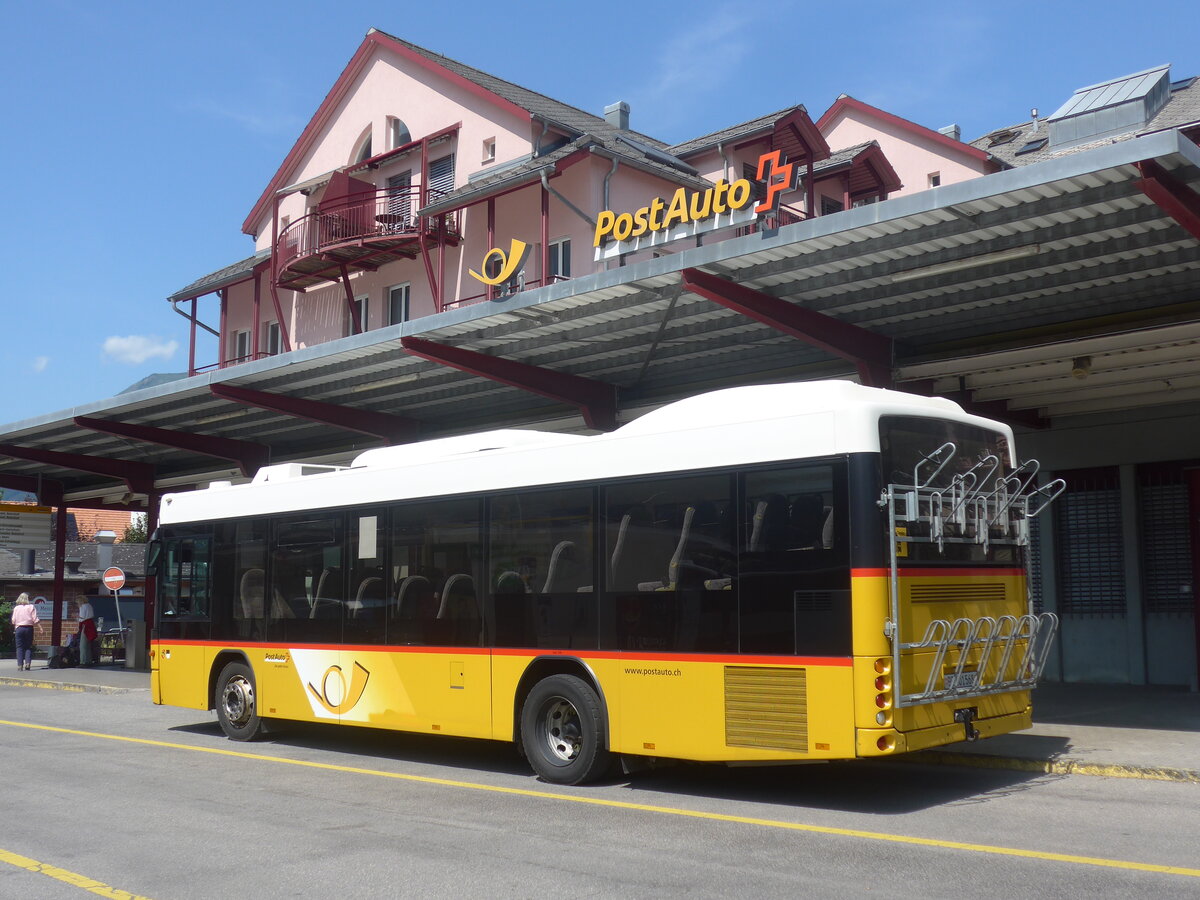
{"x":776,"y":573}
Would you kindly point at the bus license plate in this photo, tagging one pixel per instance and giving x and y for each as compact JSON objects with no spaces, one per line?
{"x":962,"y":681}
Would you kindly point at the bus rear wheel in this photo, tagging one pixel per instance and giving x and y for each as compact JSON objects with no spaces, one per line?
{"x":563,"y":731}
{"x":237,"y":710}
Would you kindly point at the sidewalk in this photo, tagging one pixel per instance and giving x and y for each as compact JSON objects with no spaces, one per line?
{"x":1121,"y":731}
{"x":103,"y":679}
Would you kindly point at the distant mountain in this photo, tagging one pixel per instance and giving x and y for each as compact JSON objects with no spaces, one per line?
{"x":154,"y":381}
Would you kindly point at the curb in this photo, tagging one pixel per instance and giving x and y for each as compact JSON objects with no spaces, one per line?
{"x":1053,"y":766}
{"x":73,"y":687}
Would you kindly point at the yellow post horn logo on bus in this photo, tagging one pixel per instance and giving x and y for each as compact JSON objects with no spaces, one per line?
{"x":510,"y":263}
{"x":345,"y":701}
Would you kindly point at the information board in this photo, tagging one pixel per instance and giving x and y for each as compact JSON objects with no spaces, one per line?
{"x":24,"y":527}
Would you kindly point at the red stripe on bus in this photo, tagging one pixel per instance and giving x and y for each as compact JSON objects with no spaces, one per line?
{"x":935,"y":573}
{"x":678,"y":657}
{"x":528,"y":651}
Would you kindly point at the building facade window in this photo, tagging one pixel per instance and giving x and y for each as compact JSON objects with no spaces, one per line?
{"x":364,"y":149}
{"x":560,"y":260}
{"x":361,"y":305}
{"x":1089,"y":537}
{"x":398,"y":134}
{"x":829,"y":206}
{"x":398,"y":297}
{"x":271,"y":338}
{"x":441,"y":176}
{"x":935,"y":179}
{"x":489,"y":150}
{"x":239,"y":349}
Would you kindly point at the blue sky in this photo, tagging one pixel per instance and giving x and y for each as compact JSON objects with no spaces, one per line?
{"x":139,"y":135}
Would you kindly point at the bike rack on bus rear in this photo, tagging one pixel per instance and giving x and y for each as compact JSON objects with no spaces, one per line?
{"x":979,"y":506}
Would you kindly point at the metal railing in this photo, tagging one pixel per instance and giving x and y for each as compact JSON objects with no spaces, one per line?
{"x":386,"y":214}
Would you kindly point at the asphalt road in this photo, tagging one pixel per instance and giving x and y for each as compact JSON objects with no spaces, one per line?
{"x":112,"y":795}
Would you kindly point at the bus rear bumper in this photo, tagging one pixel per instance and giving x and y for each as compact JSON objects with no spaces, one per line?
{"x":888,"y":742}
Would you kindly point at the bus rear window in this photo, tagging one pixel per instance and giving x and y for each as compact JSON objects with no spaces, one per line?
{"x":904,"y":441}
{"x":906,"y":445}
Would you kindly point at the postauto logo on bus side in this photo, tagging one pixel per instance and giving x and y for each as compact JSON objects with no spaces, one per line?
{"x":330,"y":692}
{"x":695,"y":206}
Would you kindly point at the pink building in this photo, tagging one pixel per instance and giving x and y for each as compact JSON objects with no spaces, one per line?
{"x":416,"y":166}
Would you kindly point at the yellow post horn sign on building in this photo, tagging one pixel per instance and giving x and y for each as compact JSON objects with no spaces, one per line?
{"x":509,"y":263}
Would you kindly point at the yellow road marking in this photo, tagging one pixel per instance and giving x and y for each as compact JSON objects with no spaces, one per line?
{"x":91,"y":885}
{"x":643,"y":807}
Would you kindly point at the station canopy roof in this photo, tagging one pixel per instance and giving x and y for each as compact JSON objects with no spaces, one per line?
{"x":1052,"y":290}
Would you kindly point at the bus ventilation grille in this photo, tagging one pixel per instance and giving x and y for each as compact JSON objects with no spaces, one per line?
{"x":766,"y":708}
{"x":956,"y":593}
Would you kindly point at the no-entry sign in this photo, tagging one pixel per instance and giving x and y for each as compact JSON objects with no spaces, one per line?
{"x":113,"y":578}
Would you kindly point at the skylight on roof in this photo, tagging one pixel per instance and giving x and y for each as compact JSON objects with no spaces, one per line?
{"x":1035,"y":144}
{"x":1007,"y":136}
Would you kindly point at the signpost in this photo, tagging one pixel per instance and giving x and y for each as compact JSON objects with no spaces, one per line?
{"x":114,"y":580}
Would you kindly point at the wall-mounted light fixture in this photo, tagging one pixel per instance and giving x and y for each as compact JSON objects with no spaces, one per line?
{"x":970,"y":262}
{"x":1081,"y":367}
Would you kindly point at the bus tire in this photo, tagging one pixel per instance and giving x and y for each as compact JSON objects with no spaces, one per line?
{"x":563,"y":731}
{"x":237,"y":708}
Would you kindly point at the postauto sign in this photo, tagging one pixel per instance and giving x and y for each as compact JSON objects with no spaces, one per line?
{"x":689,"y":213}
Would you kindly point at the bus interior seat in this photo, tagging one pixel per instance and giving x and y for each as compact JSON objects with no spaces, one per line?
{"x":414,"y":597}
{"x":770,"y":530}
{"x":511,"y":583}
{"x":329,"y":584}
{"x":677,"y":562}
{"x":281,"y":609}
{"x":250,"y":592}
{"x":368,"y":596}
{"x":461,"y":609}
{"x":806,"y":516}
{"x":827,"y":529}
{"x":456,"y":593}
{"x":562,"y":572}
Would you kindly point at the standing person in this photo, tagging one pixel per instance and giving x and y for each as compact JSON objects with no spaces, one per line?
{"x":87,"y":633}
{"x":24,"y":617}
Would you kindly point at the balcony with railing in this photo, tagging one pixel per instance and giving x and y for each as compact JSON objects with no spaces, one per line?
{"x":362,"y":231}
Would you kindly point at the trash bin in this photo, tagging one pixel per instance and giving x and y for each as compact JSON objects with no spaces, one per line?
{"x":135,"y":644}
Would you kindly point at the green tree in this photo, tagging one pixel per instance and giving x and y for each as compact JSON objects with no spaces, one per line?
{"x":135,"y":531}
{"x":6,"y":629}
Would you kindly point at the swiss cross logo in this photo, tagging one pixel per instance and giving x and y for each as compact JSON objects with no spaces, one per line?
{"x":778,"y":175}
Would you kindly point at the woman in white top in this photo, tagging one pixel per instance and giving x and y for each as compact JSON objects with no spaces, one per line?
{"x":24,"y":617}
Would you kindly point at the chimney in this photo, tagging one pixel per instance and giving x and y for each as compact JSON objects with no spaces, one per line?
{"x":617,"y":115}
{"x":104,"y":549}
{"x":951,"y":131}
{"x":72,"y":564}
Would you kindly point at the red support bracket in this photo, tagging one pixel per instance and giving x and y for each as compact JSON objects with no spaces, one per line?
{"x":395,"y":429}
{"x":597,"y":400}
{"x":871,"y":353}
{"x":1174,"y":197}
{"x":990,"y":409}
{"x":249,"y":456}
{"x":138,"y":477}
{"x":49,"y":492}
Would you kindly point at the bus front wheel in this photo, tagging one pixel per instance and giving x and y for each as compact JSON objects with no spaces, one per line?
{"x":563,"y":731}
{"x":237,"y":710}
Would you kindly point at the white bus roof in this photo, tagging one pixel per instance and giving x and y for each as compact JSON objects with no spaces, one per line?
{"x":734,"y":426}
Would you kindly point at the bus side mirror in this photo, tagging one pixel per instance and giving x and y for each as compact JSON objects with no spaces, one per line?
{"x":153,"y":557}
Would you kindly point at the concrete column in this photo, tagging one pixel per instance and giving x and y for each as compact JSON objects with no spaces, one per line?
{"x":1049,"y":551}
{"x":1135,"y":620}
